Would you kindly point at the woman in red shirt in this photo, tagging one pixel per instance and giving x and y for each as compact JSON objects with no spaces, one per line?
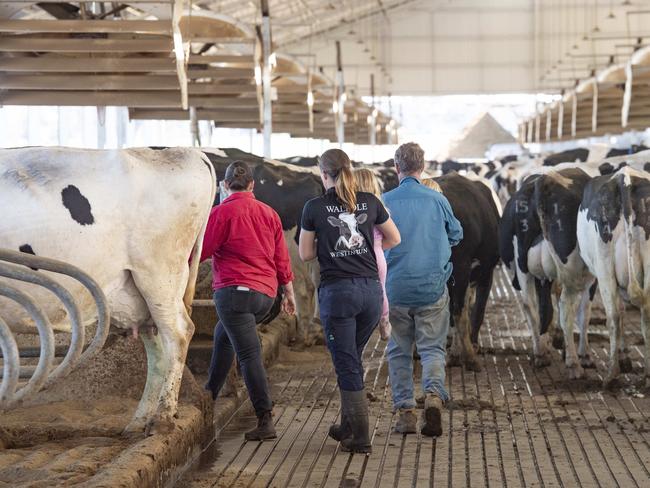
{"x":250,"y":260}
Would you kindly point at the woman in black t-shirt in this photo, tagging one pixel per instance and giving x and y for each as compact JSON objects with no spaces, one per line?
{"x":338,"y":229}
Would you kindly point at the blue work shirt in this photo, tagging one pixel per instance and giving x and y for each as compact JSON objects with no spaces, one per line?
{"x":419,"y":267}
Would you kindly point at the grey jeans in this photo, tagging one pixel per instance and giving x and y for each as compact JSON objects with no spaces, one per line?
{"x":427,"y":328}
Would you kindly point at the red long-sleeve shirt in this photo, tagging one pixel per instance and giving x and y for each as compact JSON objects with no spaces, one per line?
{"x":245,"y":240}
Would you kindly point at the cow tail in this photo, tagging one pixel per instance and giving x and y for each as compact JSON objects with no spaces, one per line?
{"x":188,"y":297}
{"x":634,"y":288}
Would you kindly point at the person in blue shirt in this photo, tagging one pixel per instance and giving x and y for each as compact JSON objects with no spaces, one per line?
{"x":416,"y":285}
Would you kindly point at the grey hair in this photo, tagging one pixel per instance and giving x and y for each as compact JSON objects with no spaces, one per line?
{"x":409,"y":158}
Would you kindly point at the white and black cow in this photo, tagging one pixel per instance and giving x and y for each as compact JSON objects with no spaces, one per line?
{"x":539,"y":246}
{"x":473,"y":259}
{"x":131,"y":219}
{"x":614,"y":233}
{"x":348,"y":225}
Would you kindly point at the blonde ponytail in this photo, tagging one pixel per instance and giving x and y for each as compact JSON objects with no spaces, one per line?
{"x":337,"y":165}
{"x":346,"y":189}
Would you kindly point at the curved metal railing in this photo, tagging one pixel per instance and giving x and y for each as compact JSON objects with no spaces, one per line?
{"x":27,"y":268}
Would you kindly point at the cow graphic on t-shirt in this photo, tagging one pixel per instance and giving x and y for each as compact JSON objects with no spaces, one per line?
{"x":347,"y":223}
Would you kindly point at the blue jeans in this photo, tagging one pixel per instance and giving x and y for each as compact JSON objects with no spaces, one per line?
{"x":236,"y":333}
{"x":427,"y":328}
{"x":350,"y":310}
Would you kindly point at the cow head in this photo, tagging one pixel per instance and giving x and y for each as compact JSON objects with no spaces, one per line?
{"x":347,"y":224}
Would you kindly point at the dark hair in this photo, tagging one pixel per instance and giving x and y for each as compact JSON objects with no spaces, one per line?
{"x":238,"y":176}
{"x":337,"y":165}
{"x":409,"y":158}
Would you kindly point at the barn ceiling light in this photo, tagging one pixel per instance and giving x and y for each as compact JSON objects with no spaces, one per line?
{"x":310,"y":98}
{"x":335,"y":107}
{"x":273,"y":60}
{"x":344,"y":97}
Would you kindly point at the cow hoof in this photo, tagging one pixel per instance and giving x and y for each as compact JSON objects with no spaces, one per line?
{"x":161,"y":425}
{"x":586,"y":362}
{"x":558,"y":342}
{"x":611,"y":382}
{"x":135,"y":427}
{"x":454,"y":360}
{"x":575,"y":372}
{"x":541,"y":361}
{"x":472,"y":364}
{"x":625,"y":364}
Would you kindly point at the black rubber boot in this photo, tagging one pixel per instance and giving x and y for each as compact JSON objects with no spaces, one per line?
{"x":341,"y":431}
{"x":264,"y":430}
{"x":357,"y":415}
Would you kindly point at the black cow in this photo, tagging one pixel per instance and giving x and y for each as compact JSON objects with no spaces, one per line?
{"x":633,"y":149}
{"x":473,"y":262}
{"x":305,"y":162}
{"x":568,"y":156}
{"x":538,"y":244}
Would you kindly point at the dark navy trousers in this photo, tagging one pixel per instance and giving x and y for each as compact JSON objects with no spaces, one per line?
{"x":350,"y":309}
{"x":236,"y":334}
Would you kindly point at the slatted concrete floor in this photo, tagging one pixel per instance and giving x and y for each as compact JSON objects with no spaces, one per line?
{"x":509,"y":425}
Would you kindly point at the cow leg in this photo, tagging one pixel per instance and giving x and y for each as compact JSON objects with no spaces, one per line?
{"x":645,"y":329}
{"x":584,"y":316}
{"x":478,"y":310}
{"x":462,"y":350}
{"x":611,"y":303}
{"x":531,"y":312}
{"x":555,"y":331}
{"x":545,"y":309}
{"x":162,"y":286}
{"x":155,"y":373}
{"x":569,"y":301}
{"x":624,"y":361}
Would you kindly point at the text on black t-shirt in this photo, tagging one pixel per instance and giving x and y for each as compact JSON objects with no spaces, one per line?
{"x":344,"y":240}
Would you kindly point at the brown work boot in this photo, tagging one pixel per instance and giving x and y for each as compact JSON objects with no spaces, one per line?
{"x":264,"y":430}
{"x":432,"y":416}
{"x":407,"y":421}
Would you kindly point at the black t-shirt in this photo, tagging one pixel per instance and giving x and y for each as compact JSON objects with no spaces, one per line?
{"x":345,"y":241}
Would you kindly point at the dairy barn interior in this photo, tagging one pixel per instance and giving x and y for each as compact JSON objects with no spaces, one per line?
{"x":118,"y":123}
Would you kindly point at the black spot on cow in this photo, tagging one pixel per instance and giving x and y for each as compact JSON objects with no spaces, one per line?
{"x":569,"y":156}
{"x":636,"y":197}
{"x":158,"y":148}
{"x":78,"y":205}
{"x":633,"y":149}
{"x":557,"y":206}
{"x":509,"y":158}
{"x":27,"y":249}
{"x":592,"y":290}
{"x":606,"y":169}
{"x":520,"y":220}
{"x":602,"y":200}
{"x":646,"y":167}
